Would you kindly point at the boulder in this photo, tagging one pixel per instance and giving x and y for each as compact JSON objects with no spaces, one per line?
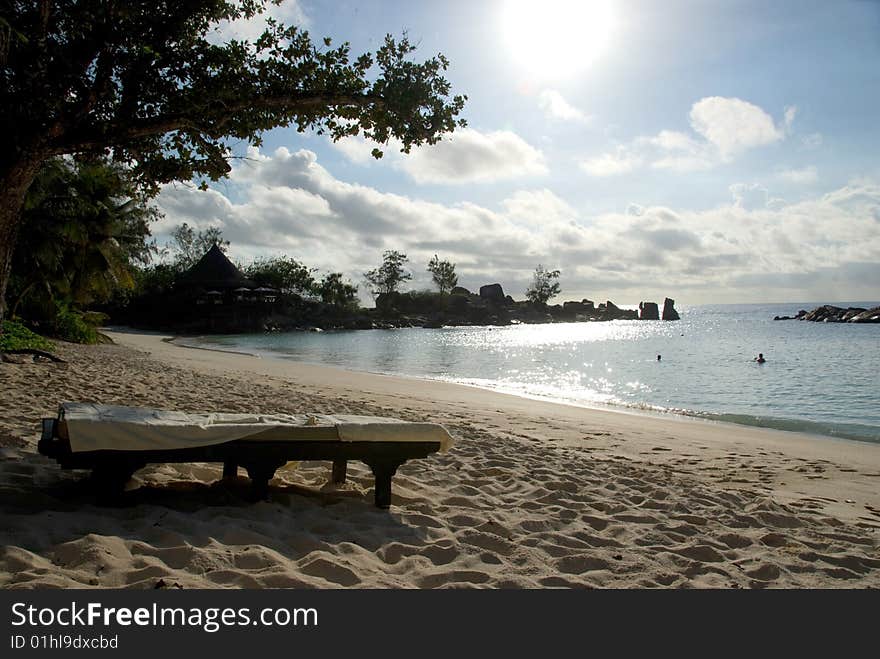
{"x":868,"y":316}
{"x":669,"y":312}
{"x":648,"y":311}
{"x":611,"y":311}
{"x":492,"y":293}
{"x":460,"y":290}
{"x":827,"y":313}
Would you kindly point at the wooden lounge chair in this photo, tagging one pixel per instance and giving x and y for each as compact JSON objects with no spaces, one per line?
{"x":115,"y":441}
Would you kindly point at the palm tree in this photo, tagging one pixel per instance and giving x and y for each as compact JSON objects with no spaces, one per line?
{"x":86,"y":227}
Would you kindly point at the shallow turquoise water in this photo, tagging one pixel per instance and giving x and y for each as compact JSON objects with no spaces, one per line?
{"x":819,"y":378}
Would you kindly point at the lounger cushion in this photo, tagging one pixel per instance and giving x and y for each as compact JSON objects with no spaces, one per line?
{"x":92,"y":427}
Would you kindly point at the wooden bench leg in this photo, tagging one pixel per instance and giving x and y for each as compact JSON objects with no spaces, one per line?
{"x":383,"y":470}
{"x":261,"y":473}
{"x":230,"y":470}
{"x":339,"y":469}
{"x":109,"y":479}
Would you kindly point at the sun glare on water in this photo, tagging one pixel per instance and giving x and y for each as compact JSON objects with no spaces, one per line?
{"x":553,"y":39}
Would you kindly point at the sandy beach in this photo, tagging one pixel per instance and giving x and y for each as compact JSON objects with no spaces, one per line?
{"x":533,"y":495}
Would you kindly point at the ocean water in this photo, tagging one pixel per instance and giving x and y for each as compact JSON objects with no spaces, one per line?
{"x":819,"y":378}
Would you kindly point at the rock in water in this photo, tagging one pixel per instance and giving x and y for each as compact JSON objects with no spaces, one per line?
{"x":828,"y":313}
{"x":869,"y":316}
{"x":648,"y":311}
{"x":669,"y":312}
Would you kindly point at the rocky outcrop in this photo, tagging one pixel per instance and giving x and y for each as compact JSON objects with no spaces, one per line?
{"x":584,"y":307}
{"x":492,"y":293}
{"x":609,"y":311}
{"x":828,"y":313}
{"x":867,"y":316}
{"x":649,"y":311}
{"x":460,"y":290}
{"x":669,"y":312}
{"x":800,"y":315}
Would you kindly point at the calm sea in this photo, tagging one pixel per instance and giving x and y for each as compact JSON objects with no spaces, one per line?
{"x":818,"y":378}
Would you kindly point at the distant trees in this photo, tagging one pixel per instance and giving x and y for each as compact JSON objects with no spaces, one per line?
{"x":390,"y":275}
{"x":336,"y":291}
{"x":282,"y":272}
{"x":188,"y":245}
{"x":544,"y":286}
{"x":443,"y":274}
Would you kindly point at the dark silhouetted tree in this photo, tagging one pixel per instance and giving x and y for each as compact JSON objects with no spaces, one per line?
{"x":388,"y":276}
{"x":443,"y":274}
{"x":88,"y":229}
{"x":544,"y":286}
{"x":187,"y":245}
{"x":336,"y":291}
{"x":282,"y":272}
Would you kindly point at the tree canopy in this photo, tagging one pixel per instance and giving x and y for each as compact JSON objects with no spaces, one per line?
{"x":283,"y":273}
{"x":336,"y":291}
{"x":443,"y":274}
{"x":390,"y":275}
{"x":146,"y":82}
{"x":544,"y":286}
{"x":88,"y":229}
{"x":187,"y":245}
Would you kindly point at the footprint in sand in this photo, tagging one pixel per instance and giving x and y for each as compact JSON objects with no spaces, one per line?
{"x":330,"y":571}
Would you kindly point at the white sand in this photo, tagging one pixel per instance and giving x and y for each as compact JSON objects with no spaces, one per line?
{"x":535,"y":494}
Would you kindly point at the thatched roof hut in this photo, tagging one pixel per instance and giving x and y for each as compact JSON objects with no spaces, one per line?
{"x":215,"y":271}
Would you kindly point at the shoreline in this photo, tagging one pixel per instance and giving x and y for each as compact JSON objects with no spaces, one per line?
{"x":534,"y":494}
{"x":645,"y":409}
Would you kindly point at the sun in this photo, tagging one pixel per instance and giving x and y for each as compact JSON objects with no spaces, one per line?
{"x":555,"y":39}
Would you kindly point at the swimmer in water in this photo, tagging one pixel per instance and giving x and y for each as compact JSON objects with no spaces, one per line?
{"x":760,"y":358}
{"x":658,"y":358}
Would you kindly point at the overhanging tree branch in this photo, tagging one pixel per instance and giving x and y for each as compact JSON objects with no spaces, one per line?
{"x":97,"y":137}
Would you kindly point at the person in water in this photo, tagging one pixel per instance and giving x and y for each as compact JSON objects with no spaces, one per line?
{"x":658,"y":358}
{"x":760,"y":358}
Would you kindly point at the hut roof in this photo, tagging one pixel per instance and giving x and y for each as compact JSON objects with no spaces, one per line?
{"x":214,"y":270}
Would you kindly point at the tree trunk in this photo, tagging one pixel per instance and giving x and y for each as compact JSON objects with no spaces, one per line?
{"x":15,"y":180}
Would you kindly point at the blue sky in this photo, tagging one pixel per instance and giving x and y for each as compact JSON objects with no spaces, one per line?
{"x":707,"y":151}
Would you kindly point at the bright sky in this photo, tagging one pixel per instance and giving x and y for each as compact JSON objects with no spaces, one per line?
{"x":706,"y":151}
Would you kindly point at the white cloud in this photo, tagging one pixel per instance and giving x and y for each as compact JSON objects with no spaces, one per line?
{"x":635,"y":209}
{"x":611,"y":164}
{"x":531,"y":206}
{"x":750,"y":196}
{"x":733,"y":125}
{"x":287,"y":13}
{"x":788,"y":119}
{"x":359,"y":150}
{"x":469,"y":156}
{"x":554,"y":105}
{"x":465,"y":156}
{"x":723,"y":128}
{"x":751,"y":248}
{"x":805,"y":175}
